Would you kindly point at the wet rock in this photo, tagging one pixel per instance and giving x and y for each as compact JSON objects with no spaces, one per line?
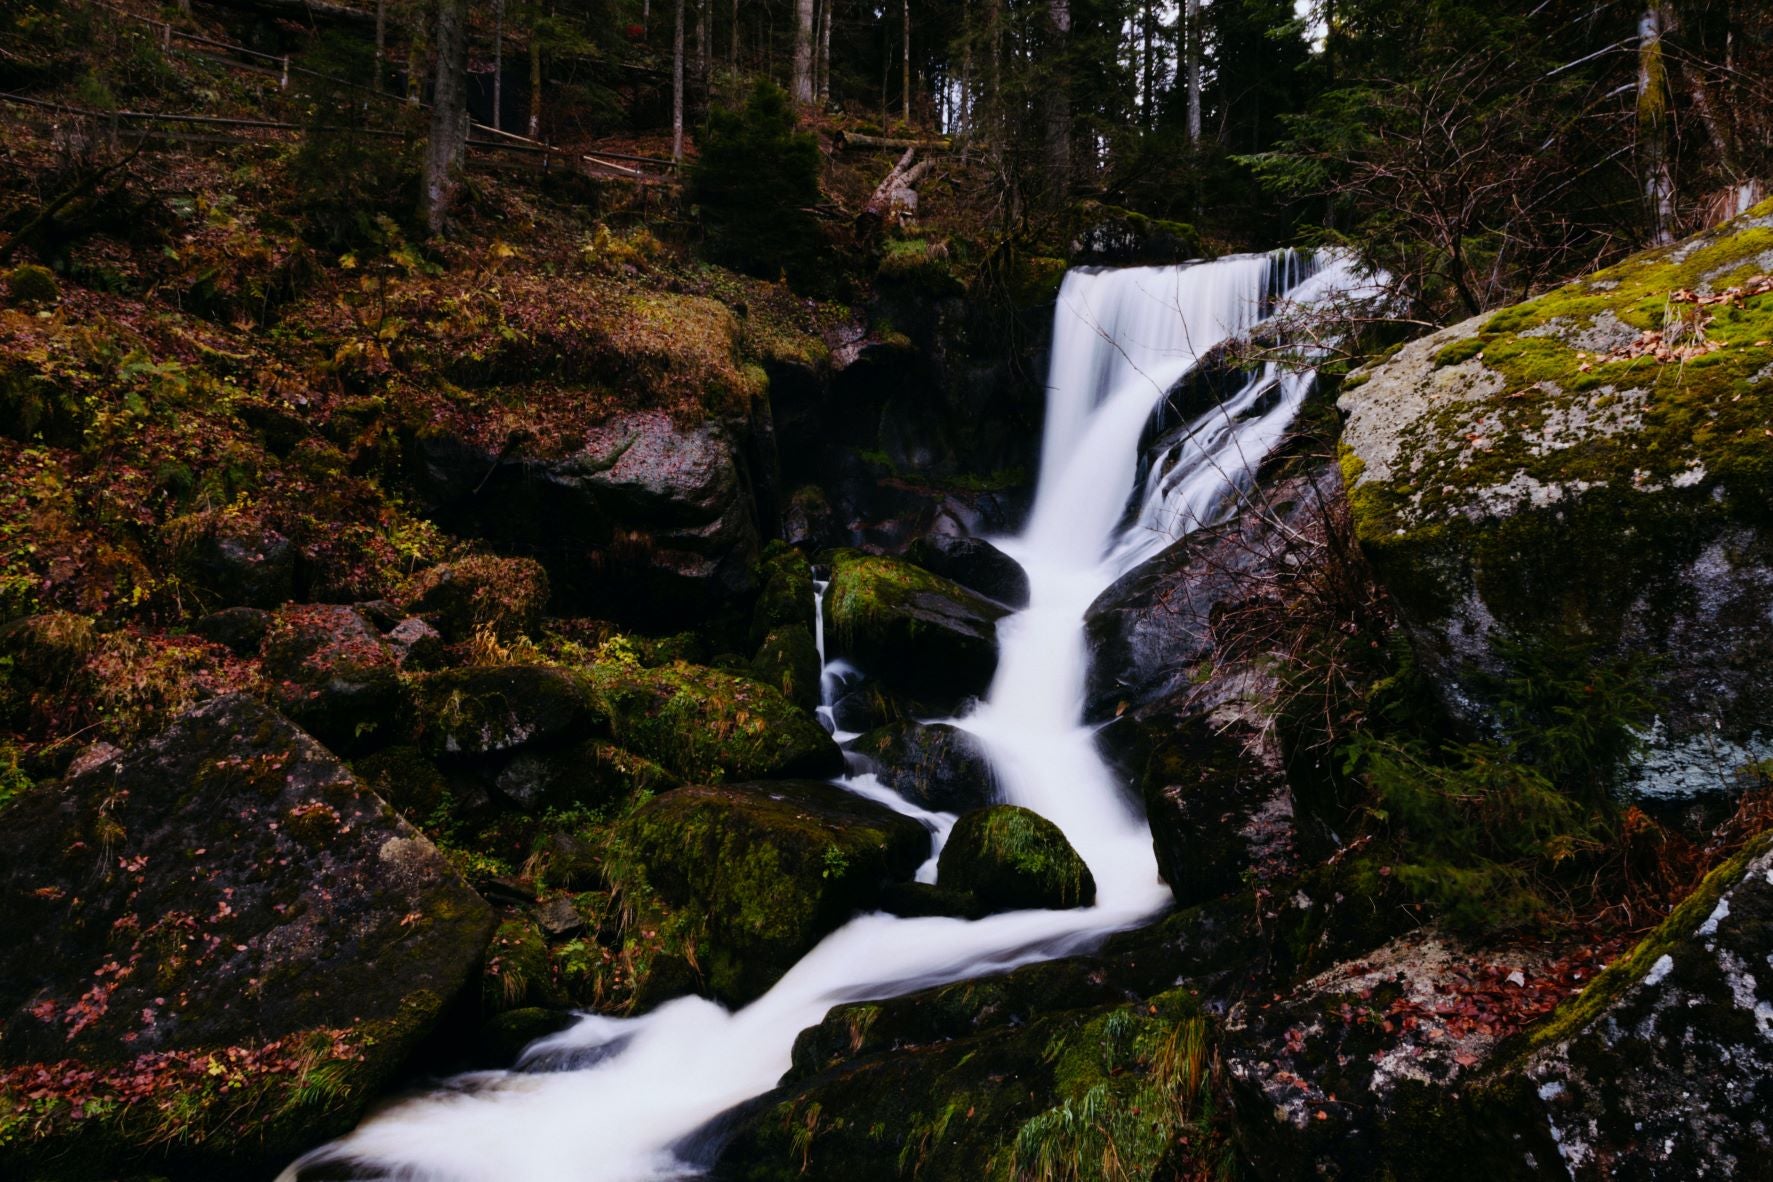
{"x":560,"y":918}
{"x":938,"y":766}
{"x":1516,"y":489}
{"x":505,"y":596}
{"x":917,"y":632}
{"x":202,"y":923}
{"x":487,"y":709}
{"x":500,"y":1041}
{"x":236,"y":562}
{"x":592,"y":774}
{"x":763,"y":870}
{"x":912,"y":900}
{"x":703,"y":723}
{"x":647,"y":521}
{"x":331,"y":672}
{"x":973,"y":563}
{"x":240,"y":629}
{"x":788,"y":659}
{"x":1012,"y":858}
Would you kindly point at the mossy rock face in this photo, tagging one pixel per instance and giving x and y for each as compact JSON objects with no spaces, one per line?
{"x":706,"y":723}
{"x":938,"y":766}
{"x":1013,"y":858}
{"x":1665,"y":1061}
{"x":331,"y":671}
{"x":788,"y":659}
{"x":517,"y":974}
{"x":916,"y":631}
{"x":786,"y":598}
{"x":1541,"y":472}
{"x":504,"y":596}
{"x":760,"y":871}
{"x":592,"y":774}
{"x":222,"y":917}
{"x":488,"y":709}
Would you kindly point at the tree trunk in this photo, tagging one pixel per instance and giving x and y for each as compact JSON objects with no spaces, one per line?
{"x":498,"y":65}
{"x":449,"y":112}
{"x":1653,"y":125}
{"x":1148,"y":27}
{"x":415,"y":71}
{"x":967,"y":82}
{"x":381,"y":43}
{"x":535,"y":84}
{"x":733,"y":48}
{"x":905,"y":61}
{"x":822,"y":58}
{"x":702,"y":47}
{"x":803,"y":52}
{"x":1192,"y":40}
{"x":1058,"y":102}
{"x":677,"y":87}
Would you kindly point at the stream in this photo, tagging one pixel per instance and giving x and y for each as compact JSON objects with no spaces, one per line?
{"x":629,"y":1099}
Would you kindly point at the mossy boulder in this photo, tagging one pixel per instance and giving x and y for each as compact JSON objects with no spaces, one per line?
{"x":32,"y":286}
{"x":938,"y":766}
{"x":788,"y":659}
{"x":758,"y":872}
{"x":916,"y":631}
{"x":1591,"y":468}
{"x":706,"y":723}
{"x":1013,"y":858}
{"x":206,"y":925}
{"x":786,"y":595}
{"x":518,"y":974}
{"x":329,"y":669}
{"x":505,"y":596}
{"x":487,"y":709}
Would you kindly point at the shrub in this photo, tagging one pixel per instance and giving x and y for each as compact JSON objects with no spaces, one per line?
{"x":33,"y":285}
{"x":755,"y":182}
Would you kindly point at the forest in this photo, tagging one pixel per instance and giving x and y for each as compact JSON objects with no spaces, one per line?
{"x":1031,"y":590}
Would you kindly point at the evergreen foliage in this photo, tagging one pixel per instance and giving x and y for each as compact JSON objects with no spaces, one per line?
{"x":756,"y":181}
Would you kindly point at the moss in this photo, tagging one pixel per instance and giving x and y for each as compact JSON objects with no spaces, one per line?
{"x":706,"y":724}
{"x":1013,"y":857}
{"x":517,"y":972}
{"x":787,"y":596}
{"x":33,"y":286}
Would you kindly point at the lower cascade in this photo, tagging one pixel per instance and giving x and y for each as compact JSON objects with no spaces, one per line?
{"x":625,"y":1099}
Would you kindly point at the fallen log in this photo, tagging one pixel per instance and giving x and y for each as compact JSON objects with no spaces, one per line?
{"x":845,"y":140}
{"x":895,"y":198}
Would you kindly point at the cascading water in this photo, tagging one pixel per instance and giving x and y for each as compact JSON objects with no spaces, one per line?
{"x":622,"y":1099}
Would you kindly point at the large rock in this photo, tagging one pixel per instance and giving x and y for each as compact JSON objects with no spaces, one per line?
{"x":938,"y":766}
{"x":236,"y":562}
{"x":221,"y":921}
{"x":761,"y":871}
{"x":646,"y":519}
{"x":914,"y":630}
{"x":330,"y":670}
{"x":709,"y":724}
{"x":482,"y":710}
{"x":974,"y":563}
{"x":1012,"y":858}
{"x":1590,"y":469}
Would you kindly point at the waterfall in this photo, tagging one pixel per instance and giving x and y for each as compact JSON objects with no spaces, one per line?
{"x":639,"y":1089}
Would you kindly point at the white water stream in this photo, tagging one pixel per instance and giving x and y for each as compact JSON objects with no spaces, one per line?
{"x":640,"y":1088}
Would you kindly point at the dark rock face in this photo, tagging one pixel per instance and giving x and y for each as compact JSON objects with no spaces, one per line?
{"x":649,"y":521}
{"x":227,"y":885}
{"x":332,"y":672}
{"x":938,"y":766}
{"x":915,"y":631}
{"x":238,"y":563}
{"x":592,"y":773}
{"x":753,"y":863}
{"x":1012,"y":858}
{"x":507,"y":596}
{"x":482,"y":710}
{"x":417,"y":646}
{"x":1155,"y":622}
{"x":973,"y":563}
